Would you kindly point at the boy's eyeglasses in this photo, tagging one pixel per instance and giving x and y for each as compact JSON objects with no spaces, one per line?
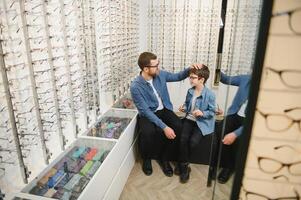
{"x":193,"y":77}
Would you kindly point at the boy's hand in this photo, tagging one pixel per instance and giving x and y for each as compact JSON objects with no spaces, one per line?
{"x":219,"y":111}
{"x":196,"y":66}
{"x":181,"y":109}
{"x":198,"y":113}
{"x":169,"y":133}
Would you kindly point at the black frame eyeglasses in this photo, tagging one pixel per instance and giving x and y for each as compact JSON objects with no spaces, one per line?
{"x":285,"y":76}
{"x":292,"y":14}
{"x":280,"y":117}
{"x":154,"y":66}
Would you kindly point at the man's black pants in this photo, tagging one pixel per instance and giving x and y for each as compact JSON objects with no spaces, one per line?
{"x":228,"y":152}
{"x":152,"y":142}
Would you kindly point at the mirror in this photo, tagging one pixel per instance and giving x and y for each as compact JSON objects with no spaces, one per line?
{"x":241,"y":31}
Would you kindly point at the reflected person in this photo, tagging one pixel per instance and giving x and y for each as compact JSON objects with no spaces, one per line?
{"x":233,"y":124}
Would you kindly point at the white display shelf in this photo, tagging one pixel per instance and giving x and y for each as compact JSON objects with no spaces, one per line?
{"x":127,"y":132}
{"x":101,"y":177}
{"x":109,"y":179}
{"x":120,"y":179}
{"x":125,"y":102}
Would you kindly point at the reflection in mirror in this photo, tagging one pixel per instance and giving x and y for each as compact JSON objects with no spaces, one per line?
{"x":241,"y":29}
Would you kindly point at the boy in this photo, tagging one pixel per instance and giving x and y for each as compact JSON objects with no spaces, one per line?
{"x":199,"y":121}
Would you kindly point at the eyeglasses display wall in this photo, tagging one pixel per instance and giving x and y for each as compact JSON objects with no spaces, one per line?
{"x":241,"y":29}
{"x":116,"y":28}
{"x":57,"y":57}
{"x":183,"y":32}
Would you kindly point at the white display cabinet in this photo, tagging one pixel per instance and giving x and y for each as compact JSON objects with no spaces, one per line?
{"x":125,"y":102}
{"x":123,"y":151}
{"x":111,"y":176}
{"x":125,"y":131}
{"x":97,"y":185}
{"x":120,"y":179}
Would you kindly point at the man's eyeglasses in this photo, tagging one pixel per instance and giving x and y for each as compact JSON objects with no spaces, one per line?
{"x":154,"y":66}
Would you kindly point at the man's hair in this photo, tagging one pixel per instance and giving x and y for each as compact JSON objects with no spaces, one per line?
{"x":145,"y":59}
{"x":201,"y":73}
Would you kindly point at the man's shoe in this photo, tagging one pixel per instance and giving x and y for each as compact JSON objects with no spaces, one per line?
{"x":147,"y":167}
{"x":166,"y":168}
{"x":184,"y":172}
{"x":224,"y":175}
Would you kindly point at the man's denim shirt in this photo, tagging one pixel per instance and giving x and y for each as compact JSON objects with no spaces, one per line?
{"x":243,"y":84}
{"x":145,"y":99}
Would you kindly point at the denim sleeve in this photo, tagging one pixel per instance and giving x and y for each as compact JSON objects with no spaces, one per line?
{"x":230,"y":80}
{"x":210,"y":112}
{"x":173,"y":77}
{"x":144,"y":109}
{"x":238,"y":131}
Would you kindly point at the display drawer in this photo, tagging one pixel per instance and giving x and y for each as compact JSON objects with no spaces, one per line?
{"x":82,"y":171}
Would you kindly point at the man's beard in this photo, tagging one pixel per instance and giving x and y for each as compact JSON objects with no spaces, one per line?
{"x":154,"y":75}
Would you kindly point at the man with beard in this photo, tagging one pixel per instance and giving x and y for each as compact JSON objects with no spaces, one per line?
{"x":159,"y":125}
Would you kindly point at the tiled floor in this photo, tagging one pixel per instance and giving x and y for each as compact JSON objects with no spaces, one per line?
{"x":159,"y":187}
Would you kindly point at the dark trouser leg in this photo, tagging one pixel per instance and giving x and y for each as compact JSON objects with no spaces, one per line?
{"x":191,"y":140}
{"x":147,"y":138}
{"x":196,"y":137}
{"x":184,"y":140}
{"x":228,"y":154}
{"x":170,"y":147}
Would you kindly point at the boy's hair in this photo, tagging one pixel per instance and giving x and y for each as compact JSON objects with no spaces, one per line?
{"x":201,"y":73}
{"x":145,"y":58}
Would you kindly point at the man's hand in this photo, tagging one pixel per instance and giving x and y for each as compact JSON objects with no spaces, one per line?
{"x":198,"y":113}
{"x":181,"y":109}
{"x":229,"y":138}
{"x":169,"y":133}
{"x":196,"y":66}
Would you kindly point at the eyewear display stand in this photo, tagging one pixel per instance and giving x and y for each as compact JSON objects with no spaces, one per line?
{"x":111,"y":176}
{"x":125,"y":102}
